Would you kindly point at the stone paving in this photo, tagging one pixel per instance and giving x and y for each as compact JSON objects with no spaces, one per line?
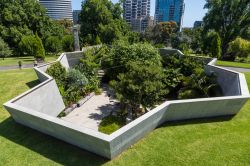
{"x":91,"y":113}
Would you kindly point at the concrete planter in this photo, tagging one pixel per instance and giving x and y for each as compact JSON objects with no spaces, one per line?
{"x":38,"y":108}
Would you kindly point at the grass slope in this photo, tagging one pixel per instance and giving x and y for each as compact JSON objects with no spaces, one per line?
{"x":11,"y":61}
{"x":198,"y":142}
{"x":233,"y":64}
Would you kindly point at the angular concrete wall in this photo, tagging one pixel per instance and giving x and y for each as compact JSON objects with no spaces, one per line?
{"x":43,"y":118}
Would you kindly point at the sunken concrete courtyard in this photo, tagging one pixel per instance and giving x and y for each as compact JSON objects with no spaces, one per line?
{"x":39,"y":108}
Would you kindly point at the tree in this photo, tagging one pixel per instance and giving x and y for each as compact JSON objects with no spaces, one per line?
{"x":140,"y":85}
{"x":161,"y":32}
{"x":53,"y":44}
{"x":212,"y":44}
{"x":101,"y":19}
{"x":122,"y":53}
{"x":239,"y":48}
{"x":4,"y":49}
{"x":32,"y":45}
{"x":68,"y":43}
{"x":229,"y":18}
{"x":24,"y":18}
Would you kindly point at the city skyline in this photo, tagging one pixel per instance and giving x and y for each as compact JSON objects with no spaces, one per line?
{"x":193,"y":10}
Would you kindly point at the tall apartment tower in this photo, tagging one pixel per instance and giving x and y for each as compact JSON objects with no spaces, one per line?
{"x":58,"y":9}
{"x":135,"y":11}
{"x":169,"y":10}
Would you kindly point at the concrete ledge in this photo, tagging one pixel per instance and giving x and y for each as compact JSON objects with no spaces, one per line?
{"x":28,"y":109}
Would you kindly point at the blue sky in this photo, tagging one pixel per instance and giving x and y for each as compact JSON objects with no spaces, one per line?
{"x":193,"y":11}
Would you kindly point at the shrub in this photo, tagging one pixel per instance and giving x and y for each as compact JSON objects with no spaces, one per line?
{"x":4,"y":49}
{"x":239,"y":48}
{"x":75,"y":78}
{"x":68,"y":43}
{"x":32,"y":45}
{"x":189,"y":94}
{"x":58,"y":72}
{"x":110,"y":124}
{"x":53,"y":44}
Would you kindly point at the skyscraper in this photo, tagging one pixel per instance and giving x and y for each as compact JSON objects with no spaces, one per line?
{"x":135,"y":11}
{"x":169,"y":10}
{"x":58,"y":9}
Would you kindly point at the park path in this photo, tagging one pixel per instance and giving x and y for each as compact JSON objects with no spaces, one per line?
{"x":238,"y":69}
{"x":25,"y":66}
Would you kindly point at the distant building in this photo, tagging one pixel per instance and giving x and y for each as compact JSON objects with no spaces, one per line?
{"x":76,"y":14}
{"x":141,"y":24}
{"x":58,"y":9}
{"x":169,"y":10}
{"x":198,"y":24}
{"x":136,"y":13}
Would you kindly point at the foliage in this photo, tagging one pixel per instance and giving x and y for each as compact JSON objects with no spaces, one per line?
{"x":32,"y":45}
{"x":68,"y":43}
{"x":188,"y":40}
{"x":107,"y":25}
{"x":4,"y":49}
{"x":58,"y":72}
{"x":212,"y":44}
{"x":122,"y":53}
{"x":53,"y":44}
{"x":228,"y":18}
{"x":110,"y":124}
{"x":140,"y":85}
{"x":76,"y":79}
{"x":200,"y":85}
{"x":239,"y":48}
{"x":67,"y":24}
{"x":161,"y":32}
{"x":21,"y":18}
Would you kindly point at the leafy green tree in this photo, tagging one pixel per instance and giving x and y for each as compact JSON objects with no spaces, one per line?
{"x":20,"y":18}
{"x":101,"y":19}
{"x":53,"y":44}
{"x":161,"y":32}
{"x":68,"y":43}
{"x":229,"y":18}
{"x":212,"y":44}
{"x":33,"y":46}
{"x":122,"y":53}
{"x":4,"y":49}
{"x":140,"y":85}
{"x":239,"y":48}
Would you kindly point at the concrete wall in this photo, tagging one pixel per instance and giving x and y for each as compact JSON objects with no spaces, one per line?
{"x":45,"y":99}
{"x":82,"y":137}
{"x":28,"y":109}
{"x":173,"y":111}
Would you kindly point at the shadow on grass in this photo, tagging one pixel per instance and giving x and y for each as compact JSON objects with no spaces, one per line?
{"x":33,"y":83}
{"x":198,"y":121}
{"x":49,"y":147}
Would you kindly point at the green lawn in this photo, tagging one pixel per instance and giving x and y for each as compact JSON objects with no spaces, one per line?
{"x":218,"y":141}
{"x":25,"y":60}
{"x":233,"y":64}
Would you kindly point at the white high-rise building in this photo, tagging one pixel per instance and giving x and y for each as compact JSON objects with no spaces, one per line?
{"x":135,"y":10}
{"x":58,"y":9}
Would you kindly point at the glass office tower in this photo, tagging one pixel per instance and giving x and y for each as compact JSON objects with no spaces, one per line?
{"x":169,"y":10}
{"x":58,"y":9}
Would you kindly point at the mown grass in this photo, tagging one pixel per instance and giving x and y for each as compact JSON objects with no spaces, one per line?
{"x":13,"y":61}
{"x":218,"y":141}
{"x":233,"y":64}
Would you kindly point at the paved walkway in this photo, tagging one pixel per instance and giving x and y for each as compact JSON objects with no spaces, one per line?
{"x":25,"y":66}
{"x":93,"y":111}
{"x":242,"y":70}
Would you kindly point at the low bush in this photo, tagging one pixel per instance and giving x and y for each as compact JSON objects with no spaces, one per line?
{"x":58,"y":72}
{"x":239,"y":48}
